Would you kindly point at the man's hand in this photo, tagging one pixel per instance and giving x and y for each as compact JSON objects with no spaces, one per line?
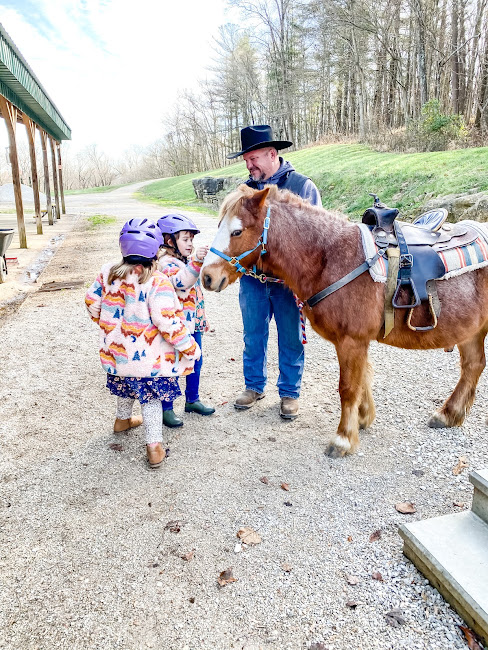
{"x":200,"y":253}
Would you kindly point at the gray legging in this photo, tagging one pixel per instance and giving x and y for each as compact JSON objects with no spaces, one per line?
{"x":152,"y":413}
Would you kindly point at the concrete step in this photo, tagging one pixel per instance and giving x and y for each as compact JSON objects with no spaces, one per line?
{"x":452,"y":553}
{"x":479,"y":479}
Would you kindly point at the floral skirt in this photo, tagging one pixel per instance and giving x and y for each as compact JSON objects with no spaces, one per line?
{"x":144,"y":389}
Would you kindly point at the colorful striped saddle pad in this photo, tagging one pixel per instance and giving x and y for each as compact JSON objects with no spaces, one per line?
{"x":456,"y":260}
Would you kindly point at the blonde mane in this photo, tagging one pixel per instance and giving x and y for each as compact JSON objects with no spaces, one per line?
{"x":232,"y":203}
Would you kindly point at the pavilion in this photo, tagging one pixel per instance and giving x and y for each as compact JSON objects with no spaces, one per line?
{"x":24,"y":100}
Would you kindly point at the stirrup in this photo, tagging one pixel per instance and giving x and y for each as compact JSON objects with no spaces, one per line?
{"x":427,"y":327}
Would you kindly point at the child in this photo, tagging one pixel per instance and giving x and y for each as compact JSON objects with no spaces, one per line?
{"x":178,"y":233}
{"x":144,"y":344}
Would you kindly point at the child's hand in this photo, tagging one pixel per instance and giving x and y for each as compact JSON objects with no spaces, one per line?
{"x":200,"y":253}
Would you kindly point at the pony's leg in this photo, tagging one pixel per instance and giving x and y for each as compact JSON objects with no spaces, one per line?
{"x":353,"y":356}
{"x":456,"y":407}
{"x":367,"y":410}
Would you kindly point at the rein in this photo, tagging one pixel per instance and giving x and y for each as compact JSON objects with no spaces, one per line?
{"x":317,"y":297}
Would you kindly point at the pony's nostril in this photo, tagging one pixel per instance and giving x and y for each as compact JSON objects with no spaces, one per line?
{"x":207,"y":281}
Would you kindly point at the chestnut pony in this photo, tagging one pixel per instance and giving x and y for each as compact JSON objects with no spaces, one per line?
{"x":310,"y":248}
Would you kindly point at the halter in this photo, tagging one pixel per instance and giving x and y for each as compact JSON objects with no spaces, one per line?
{"x":263,"y":240}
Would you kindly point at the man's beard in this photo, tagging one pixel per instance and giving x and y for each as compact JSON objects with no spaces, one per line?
{"x":259,"y":178}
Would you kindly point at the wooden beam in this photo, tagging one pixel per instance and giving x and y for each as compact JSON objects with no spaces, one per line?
{"x":55,"y":178}
{"x":31,"y":134}
{"x":10,"y":115}
{"x":47,"y":185}
{"x":60,"y":168}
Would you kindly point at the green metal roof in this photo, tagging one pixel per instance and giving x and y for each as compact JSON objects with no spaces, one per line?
{"x":21,"y":87}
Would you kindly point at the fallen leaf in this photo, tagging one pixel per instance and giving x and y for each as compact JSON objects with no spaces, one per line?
{"x":349,"y":538}
{"x":471,"y":638}
{"x":286,"y":567}
{"x":461,"y":465}
{"x":458,"y":504}
{"x":226,"y":577}
{"x":376,"y":575}
{"x":249,"y":536}
{"x":352,"y":604}
{"x":285,"y":486}
{"x":188,"y":556}
{"x":406,"y":508}
{"x":191,"y":599}
{"x":264,"y":479}
{"x":224,"y":403}
{"x":272,"y":439}
{"x":116,"y":446}
{"x":395,"y":617}
{"x":352,"y":580}
{"x":232,"y":359}
{"x":374,"y":537}
{"x":173,"y":526}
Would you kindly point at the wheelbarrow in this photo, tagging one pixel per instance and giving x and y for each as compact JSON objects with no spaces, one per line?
{"x":6,"y":235}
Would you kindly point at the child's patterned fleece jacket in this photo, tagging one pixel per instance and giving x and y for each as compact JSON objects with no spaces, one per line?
{"x":142,"y":332}
{"x":185,"y":280}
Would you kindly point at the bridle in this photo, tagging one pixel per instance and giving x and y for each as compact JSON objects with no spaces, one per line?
{"x":235,"y":261}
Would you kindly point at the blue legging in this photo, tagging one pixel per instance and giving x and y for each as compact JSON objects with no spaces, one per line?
{"x":192,"y":380}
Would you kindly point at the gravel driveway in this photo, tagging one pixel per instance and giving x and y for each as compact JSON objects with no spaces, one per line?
{"x":91,"y":542}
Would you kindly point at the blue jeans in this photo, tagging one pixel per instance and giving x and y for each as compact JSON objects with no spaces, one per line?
{"x":259,"y":302}
{"x":192,"y":380}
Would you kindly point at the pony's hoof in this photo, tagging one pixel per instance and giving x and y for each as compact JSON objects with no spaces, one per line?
{"x":338,"y":447}
{"x":436,"y":421}
{"x":334,"y":452}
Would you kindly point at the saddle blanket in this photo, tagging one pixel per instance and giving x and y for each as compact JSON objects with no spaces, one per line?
{"x":456,"y":260}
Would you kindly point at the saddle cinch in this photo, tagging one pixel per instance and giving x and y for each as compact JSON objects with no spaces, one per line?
{"x":414,"y":263}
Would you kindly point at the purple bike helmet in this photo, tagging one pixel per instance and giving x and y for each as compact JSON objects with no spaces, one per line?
{"x":140,"y":237}
{"x":174,"y":222}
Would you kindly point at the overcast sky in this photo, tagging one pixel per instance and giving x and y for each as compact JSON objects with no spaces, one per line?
{"x":112,"y":67}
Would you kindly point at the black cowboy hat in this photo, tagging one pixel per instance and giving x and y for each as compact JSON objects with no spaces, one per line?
{"x":257,"y":137}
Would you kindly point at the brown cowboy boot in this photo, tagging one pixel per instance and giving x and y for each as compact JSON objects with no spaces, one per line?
{"x":129,"y":423}
{"x":289,"y":408}
{"x":155,"y":455}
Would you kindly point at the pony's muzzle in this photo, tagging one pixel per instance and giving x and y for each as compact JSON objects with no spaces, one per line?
{"x":214,"y":282}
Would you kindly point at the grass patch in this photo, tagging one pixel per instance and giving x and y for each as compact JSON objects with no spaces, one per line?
{"x":94,"y":190}
{"x":346,"y":173}
{"x":100,"y":220}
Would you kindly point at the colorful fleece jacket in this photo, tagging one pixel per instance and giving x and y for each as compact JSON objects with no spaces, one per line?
{"x":185,"y":278}
{"x":142,"y":333}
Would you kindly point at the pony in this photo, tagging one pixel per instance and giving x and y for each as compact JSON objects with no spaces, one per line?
{"x":310,"y":248}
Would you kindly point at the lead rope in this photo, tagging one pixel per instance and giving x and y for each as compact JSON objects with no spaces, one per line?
{"x":262,"y":277}
{"x":299,"y":304}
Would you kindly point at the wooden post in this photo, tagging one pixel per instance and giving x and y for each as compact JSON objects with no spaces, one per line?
{"x":31,"y":134}
{"x":9,"y":113}
{"x":47,"y":185}
{"x":55,"y":178}
{"x":60,"y":168}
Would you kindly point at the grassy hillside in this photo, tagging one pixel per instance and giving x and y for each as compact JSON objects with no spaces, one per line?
{"x":346,"y":173}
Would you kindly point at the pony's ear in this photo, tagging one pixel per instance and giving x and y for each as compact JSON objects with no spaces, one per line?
{"x":256,"y":202}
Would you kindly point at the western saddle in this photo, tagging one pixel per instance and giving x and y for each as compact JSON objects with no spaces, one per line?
{"x":414,"y":263}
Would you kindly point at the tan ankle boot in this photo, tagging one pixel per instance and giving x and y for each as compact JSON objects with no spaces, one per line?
{"x":125,"y":425}
{"x":155,"y":455}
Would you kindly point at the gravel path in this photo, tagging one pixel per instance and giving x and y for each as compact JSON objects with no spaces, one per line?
{"x":90,"y":554}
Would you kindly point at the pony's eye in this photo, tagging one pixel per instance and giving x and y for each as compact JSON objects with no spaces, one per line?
{"x":236,"y":233}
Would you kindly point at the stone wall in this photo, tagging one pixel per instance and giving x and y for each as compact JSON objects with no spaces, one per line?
{"x":465,"y":206}
{"x":212,"y":189}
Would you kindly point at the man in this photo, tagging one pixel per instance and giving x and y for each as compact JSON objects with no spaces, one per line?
{"x":259,"y":301}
